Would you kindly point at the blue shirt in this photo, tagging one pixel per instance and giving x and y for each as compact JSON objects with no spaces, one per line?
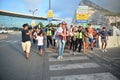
{"x":103,"y":34}
{"x":24,"y":36}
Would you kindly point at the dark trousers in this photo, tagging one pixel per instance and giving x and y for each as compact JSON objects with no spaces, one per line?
{"x":54,"y":42}
{"x":49,"y":41}
{"x":78,"y":42}
{"x":74,"y":45}
{"x":71,"y":43}
{"x":34,"y":41}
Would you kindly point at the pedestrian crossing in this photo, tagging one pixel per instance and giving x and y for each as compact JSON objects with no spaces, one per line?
{"x":8,"y":41}
{"x":78,"y":67}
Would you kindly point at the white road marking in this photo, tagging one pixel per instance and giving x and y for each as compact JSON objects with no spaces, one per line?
{"x":73,"y":66}
{"x":94,"y":76}
{"x":64,"y":54}
{"x":69,"y":58}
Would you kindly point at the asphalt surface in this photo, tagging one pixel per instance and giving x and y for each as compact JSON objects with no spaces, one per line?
{"x":93,"y":65}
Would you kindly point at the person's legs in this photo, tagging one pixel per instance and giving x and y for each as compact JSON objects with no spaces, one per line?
{"x":54,"y":42}
{"x":80,"y":45}
{"x":71,"y":44}
{"x":34,"y":41}
{"x":63,"y":46}
{"x":105,"y":45}
{"x":28,"y":46}
{"x":59,"y":47}
{"x":24,"y":47}
{"x":102,"y":40}
{"x":86,"y":46}
{"x":50,"y":38}
{"x":76,"y":44}
{"x":40,"y":50}
{"x":47,"y":41}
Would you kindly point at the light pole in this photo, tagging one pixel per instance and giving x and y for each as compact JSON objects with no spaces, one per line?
{"x":49,"y":4}
{"x":33,"y":12}
{"x":49,"y":8}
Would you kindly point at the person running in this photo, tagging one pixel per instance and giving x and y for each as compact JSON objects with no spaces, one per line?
{"x":79,"y":39}
{"x":40,"y":42}
{"x":104,"y":38}
{"x":26,"y":44}
{"x":61,"y":32}
{"x":85,"y":40}
{"x":49,"y":37}
{"x":90,"y":33}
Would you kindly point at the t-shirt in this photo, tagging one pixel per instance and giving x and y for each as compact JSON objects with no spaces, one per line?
{"x":103,"y":34}
{"x":60,"y":30}
{"x":40,"y":40}
{"x":35,"y":34}
{"x":24,"y":36}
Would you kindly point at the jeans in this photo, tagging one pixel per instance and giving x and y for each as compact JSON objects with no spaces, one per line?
{"x":61,"y":45}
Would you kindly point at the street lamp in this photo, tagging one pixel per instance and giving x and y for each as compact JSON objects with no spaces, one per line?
{"x":33,"y":12}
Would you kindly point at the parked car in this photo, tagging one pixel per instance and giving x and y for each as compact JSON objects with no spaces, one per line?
{"x":3,"y":31}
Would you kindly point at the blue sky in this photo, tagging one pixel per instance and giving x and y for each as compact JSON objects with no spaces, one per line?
{"x":61,"y":8}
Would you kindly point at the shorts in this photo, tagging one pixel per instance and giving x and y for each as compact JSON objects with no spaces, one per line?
{"x":104,"y":41}
{"x":90,"y":40}
{"x":26,"y":46}
{"x":40,"y":47}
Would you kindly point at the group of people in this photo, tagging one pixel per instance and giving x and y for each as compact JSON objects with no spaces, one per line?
{"x":77,"y":38}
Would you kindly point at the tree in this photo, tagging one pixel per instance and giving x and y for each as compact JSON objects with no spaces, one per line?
{"x":40,"y":25}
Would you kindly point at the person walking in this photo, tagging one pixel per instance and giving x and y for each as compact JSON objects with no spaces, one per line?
{"x":26,"y":44}
{"x":104,"y":38}
{"x":85,"y":40}
{"x":90,"y":33}
{"x":62,"y":33}
{"x":49,"y":37}
{"x":79,"y":39}
{"x":74,"y":40}
{"x":40,"y":42}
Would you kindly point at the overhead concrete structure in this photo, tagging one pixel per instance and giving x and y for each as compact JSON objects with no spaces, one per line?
{"x":102,"y":12}
{"x":14,"y":14}
{"x":106,"y":7}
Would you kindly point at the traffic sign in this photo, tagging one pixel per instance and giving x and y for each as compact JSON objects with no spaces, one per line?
{"x":33,"y":23}
{"x":81,"y":21}
{"x":82,"y":10}
{"x":84,"y":25}
{"x":50,"y":14}
{"x":82,"y":16}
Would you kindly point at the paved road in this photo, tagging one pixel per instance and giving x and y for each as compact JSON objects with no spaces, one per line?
{"x":91,"y":66}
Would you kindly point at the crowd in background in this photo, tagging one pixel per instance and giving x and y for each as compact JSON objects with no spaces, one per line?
{"x":76,"y":38}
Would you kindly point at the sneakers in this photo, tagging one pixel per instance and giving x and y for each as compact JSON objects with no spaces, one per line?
{"x":91,"y":49}
{"x":104,"y":50}
{"x":60,"y":57}
{"x":70,"y":52}
{"x":74,"y":53}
